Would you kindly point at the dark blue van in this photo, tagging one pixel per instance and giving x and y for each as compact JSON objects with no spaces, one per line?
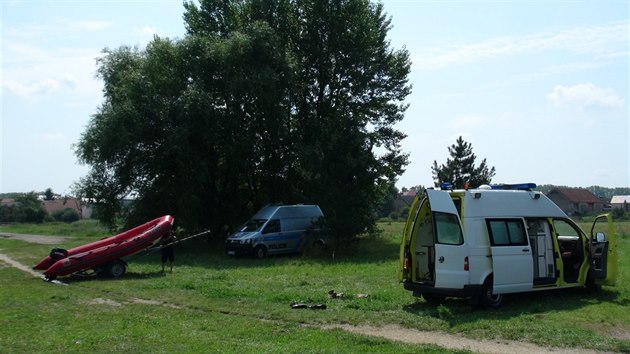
{"x":277,"y":229}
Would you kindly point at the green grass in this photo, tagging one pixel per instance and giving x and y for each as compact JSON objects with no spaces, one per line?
{"x":221,"y":304}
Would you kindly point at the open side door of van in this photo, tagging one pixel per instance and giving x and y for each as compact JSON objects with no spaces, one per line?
{"x":603,"y":250}
{"x":450,"y":250}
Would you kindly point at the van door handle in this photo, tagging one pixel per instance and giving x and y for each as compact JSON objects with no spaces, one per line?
{"x":441,"y":259}
{"x":525,"y":250}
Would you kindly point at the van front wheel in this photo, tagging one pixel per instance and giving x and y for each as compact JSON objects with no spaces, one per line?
{"x":260,"y":252}
{"x":489,"y":299}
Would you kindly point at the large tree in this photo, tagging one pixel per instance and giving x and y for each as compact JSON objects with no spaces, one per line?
{"x":460,"y":168}
{"x":262,"y":101}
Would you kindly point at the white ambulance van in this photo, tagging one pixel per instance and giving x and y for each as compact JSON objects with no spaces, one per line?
{"x":494,"y":240}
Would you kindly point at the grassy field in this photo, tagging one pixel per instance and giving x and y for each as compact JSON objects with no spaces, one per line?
{"x":212,"y":303}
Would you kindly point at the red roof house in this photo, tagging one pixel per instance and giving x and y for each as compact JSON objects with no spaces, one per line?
{"x":54,"y":205}
{"x":576,"y":200}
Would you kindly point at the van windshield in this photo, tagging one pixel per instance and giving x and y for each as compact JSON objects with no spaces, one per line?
{"x":253,"y":225}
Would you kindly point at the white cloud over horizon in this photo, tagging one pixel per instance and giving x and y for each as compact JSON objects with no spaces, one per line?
{"x":56,"y":28}
{"x":582,"y":96}
{"x":149,"y":31}
{"x":604,"y":41}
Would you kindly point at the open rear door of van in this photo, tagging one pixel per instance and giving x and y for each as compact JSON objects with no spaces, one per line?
{"x":603,"y":250}
{"x":450,"y":249}
{"x":405,"y":244}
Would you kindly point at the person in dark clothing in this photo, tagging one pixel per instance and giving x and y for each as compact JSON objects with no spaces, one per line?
{"x":167,"y":250}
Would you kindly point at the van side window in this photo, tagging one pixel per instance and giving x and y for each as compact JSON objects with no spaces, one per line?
{"x":507,"y":232}
{"x":272,"y":226}
{"x":447,"y":229}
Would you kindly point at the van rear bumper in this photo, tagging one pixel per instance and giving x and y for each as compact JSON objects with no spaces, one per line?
{"x":429,"y":288}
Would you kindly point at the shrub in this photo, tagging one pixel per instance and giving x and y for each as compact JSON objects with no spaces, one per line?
{"x":67,"y":215}
{"x":28,"y":209}
{"x":618,"y":213}
{"x":404,"y":212}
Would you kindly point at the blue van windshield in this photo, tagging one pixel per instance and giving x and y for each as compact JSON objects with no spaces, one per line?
{"x":253,"y":225}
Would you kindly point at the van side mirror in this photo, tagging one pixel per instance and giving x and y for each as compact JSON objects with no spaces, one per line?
{"x":600,"y":237}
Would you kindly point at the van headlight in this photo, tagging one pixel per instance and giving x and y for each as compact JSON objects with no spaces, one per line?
{"x":246,"y":241}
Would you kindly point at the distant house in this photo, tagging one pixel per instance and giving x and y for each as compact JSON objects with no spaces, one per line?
{"x":404,"y":199}
{"x":576,"y":200}
{"x":52,"y":206}
{"x":7,"y":201}
{"x":620,"y":202}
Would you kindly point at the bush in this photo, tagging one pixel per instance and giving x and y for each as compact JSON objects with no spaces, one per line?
{"x":618,"y":214}
{"x":67,"y":215}
{"x":25,"y":209}
{"x":7,"y":213}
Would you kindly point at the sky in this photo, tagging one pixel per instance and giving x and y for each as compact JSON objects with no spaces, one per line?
{"x":539,"y":88}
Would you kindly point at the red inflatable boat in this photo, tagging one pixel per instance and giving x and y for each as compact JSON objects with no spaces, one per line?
{"x":105,"y":255}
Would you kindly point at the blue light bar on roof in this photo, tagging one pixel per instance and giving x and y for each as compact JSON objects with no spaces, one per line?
{"x":517,"y":186}
{"x":446,"y":186}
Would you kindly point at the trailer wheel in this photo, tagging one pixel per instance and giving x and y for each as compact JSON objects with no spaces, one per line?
{"x":116,"y":269}
{"x":487,"y":298}
{"x":260,"y":252}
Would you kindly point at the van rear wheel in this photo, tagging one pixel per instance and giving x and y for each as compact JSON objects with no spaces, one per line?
{"x":488,"y":298}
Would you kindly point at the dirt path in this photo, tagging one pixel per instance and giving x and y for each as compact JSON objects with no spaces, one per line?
{"x":390,"y":332}
{"x":41,"y":239}
{"x":15,"y":264}
{"x":450,"y":341}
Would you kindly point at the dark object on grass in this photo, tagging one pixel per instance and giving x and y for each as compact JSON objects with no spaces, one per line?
{"x":296,"y":305}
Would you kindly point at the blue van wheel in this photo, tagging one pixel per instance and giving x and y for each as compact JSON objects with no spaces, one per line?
{"x":260,"y":252}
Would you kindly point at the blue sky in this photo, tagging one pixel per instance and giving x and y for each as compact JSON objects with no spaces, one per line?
{"x":539,"y":88}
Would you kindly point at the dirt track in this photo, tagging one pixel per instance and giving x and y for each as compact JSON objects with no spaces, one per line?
{"x":41,"y":239}
{"x":450,"y":341}
{"x":6,"y":259}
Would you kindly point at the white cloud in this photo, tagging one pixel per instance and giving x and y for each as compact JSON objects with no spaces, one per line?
{"x":32,"y":69}
{"x":54,"y":137}
{"x":27,"y":89}
{"x":149,"y":32}
{"x":584,"y":96}
{"x":90,"y":25}
{"x":56,"y":28}
{"x":604,"y":41}
{"x":43,"y":86}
